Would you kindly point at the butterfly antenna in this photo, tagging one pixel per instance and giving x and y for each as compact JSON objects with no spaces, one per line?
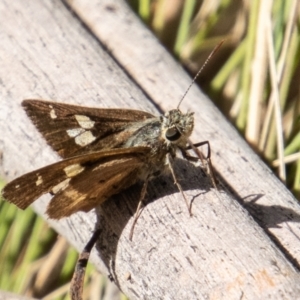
{"x":201,"y":69}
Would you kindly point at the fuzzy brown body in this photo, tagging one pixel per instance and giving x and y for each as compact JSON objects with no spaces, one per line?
{"x":104,"y":151}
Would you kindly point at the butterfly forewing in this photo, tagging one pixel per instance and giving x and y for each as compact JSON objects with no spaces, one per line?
{"x":73,"y":130}
{"x":94,"y":176}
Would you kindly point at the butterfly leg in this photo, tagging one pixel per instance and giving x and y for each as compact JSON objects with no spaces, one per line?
{"x":139,"y":210}
{"x":77,"y":282}
{"x":170,"y":161}
{"x":200,"y":156}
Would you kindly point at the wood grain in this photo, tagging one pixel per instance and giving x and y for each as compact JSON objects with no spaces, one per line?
{"x":221,"y":252}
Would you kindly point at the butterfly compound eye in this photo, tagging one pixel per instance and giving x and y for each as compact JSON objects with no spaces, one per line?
{"x":172,"y":134}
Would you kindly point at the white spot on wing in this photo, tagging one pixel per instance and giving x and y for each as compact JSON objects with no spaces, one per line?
{"x":39,"y":180}
{"x":84,"y":121}
{"x":61,"y":186}
{"x":52,"y":112}
{"x":84,"y":139}
{"x":75,"y":132}
{"x":73,"y":170}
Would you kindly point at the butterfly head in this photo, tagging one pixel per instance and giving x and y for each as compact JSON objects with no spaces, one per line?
{"x":177,"y":127}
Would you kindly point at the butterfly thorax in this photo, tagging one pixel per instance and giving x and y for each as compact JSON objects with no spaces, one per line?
{"x":164,"y":134}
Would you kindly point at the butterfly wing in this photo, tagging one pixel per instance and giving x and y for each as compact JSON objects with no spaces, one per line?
{"x":79,"y":183}
{"x":74,"y":130}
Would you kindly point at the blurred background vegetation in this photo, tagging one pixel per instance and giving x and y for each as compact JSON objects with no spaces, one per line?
{"x":254,"y":80}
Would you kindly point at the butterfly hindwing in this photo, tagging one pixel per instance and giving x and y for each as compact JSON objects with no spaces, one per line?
{"x":74,"y":130}
{"x":94,"y":186}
